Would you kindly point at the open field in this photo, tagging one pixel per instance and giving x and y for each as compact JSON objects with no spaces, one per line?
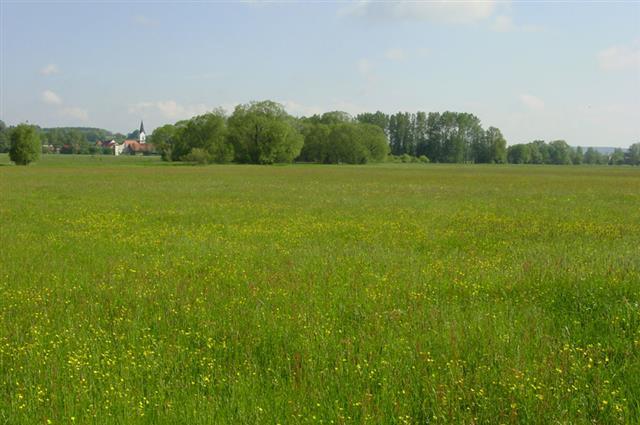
{"x":133,"y":291}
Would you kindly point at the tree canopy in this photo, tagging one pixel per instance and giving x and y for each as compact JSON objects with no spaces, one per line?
{"x":263,"y":133}
{"x":25,"y":144}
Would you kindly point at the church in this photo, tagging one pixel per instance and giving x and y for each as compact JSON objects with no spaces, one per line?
{"x":133,"y":147}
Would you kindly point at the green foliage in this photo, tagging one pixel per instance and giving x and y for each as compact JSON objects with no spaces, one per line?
{"x":25,"y":145}
{"x":577,"y":156}
{"x":316,"y":136}
{"x":377,"y":118}
{"x":617,"y":157}
{"x":592,"y":156}
{"x":198,"y":156}
{"x":207,"y":132}
{"x":519,"y":154}
{"x":345,"y":145}
{"x":332,"y":141}
{"x":164,"y":138}
{"x":263,"y":133}
{"x":559,"y":152}
{"x":134,"y":135}
{"x":374,"y":140}
{"x":495,"y":147}
{"x":633,"y":155}
{"x":4,"y":138}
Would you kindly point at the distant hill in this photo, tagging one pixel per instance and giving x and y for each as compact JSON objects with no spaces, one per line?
{"x":91,"y":134}
{"x":603,"y":150}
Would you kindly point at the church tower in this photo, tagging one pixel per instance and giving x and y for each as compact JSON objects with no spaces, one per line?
{"x":142,"y":138}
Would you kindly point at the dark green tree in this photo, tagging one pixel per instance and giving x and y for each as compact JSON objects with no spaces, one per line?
{"x":316,"y":142}
{"x":375,"y":141}
{"x":25,"y":145}
{"x":578,"y":156}
{"x":633,"y":154}
{"x":377,"y":118}
{"x":519,"y":154}
{"x":617,"y":157}
{"x":4,"y":137}
{"x":208,"y":133}
{"x":163,"y":139}
{"x":345,"y":145}
{"x":559,"y":152}
{"x":496,"y":146}
{"x":263,"y":133}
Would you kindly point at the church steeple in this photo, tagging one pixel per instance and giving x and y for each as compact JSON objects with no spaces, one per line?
{"x":142,"y":138}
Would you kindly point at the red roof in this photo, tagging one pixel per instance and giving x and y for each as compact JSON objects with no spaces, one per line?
{"x":136,"y":146}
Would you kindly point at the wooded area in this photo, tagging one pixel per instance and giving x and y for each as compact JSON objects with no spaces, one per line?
{"x":264,"y":133}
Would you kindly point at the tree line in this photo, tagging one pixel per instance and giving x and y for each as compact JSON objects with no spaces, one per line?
{"x":264,"y":133}
{"x":560,"y":153}
{"x":69,"y":140}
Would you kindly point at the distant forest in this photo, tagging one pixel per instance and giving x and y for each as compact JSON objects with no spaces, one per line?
{"x":264,"y":133}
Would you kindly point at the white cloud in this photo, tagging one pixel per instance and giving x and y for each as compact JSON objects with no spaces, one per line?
{"x":395,"y":54}
{"x":169,"y":109}
{"x":454,"y":12}
{"x":532,"y":102}
{"x":51,"y":98}
{"x":75,"y":112}
{"x":50,"y":69}
{"x":616,"y":58}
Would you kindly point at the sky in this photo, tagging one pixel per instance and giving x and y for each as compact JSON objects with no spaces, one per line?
{"x":537,"y":70}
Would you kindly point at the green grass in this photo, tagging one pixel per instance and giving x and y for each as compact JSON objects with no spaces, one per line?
{"x":133,"y":291}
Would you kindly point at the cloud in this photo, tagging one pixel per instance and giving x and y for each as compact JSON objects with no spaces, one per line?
{"x":169,"y":109}
{"x":395,"y":54}
{"x":75,"y":112}
{"x":51,"y":98}
{"x":455,"y":12}
{"x":50,"y":69}
{"x":620,"y":57}
{"x":532,"y":102}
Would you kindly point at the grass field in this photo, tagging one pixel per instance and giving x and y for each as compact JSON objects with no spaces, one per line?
{"x":133,"y":291}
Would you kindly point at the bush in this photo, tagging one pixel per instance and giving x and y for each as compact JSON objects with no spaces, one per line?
{"x":25,"y":145}
{"x":263,"y":133}
{"x":197,"y":156}
{"x":423,"y":159}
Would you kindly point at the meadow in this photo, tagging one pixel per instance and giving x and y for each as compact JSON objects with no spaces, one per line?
{"x":140,"y":292}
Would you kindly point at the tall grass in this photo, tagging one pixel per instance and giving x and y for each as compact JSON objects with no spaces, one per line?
{"x":318,"y":294}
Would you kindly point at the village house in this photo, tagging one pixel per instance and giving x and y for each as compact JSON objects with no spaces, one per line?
{"x":129,"y":146}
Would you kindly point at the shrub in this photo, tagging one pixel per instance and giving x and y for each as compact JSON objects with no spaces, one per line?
{"x":197,"y":156}
{"x":25,"y":145}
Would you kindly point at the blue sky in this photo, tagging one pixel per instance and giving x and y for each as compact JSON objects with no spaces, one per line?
{"x":536,"y":70}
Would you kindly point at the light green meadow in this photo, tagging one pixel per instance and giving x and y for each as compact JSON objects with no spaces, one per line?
{"x":138,"y":292}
